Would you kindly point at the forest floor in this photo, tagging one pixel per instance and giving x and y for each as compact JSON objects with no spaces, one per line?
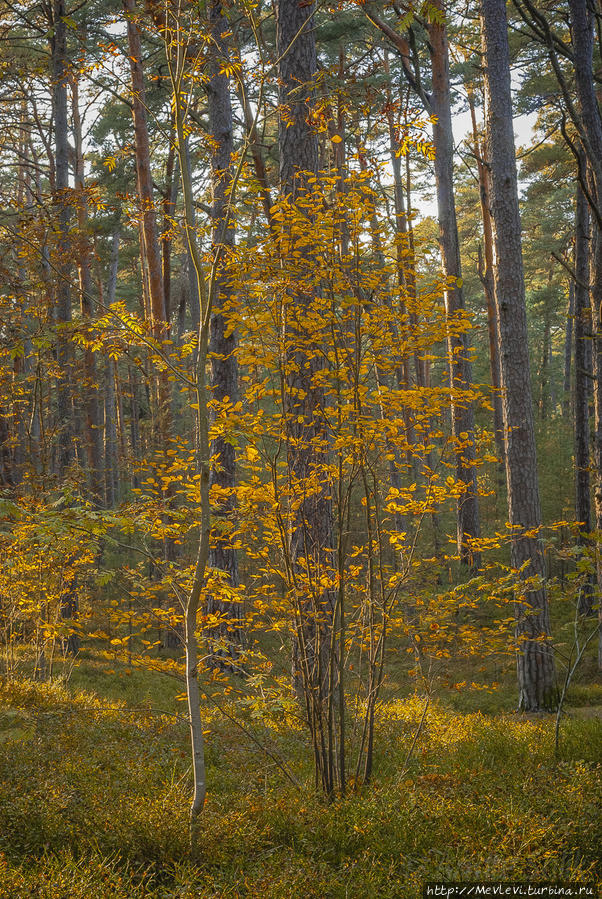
{"x":95,"y":784}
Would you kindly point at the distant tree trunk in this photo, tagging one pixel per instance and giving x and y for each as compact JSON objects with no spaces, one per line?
{"x":535,"y":661}
{"x":486,"y":275}
{"x":193,"y":287}
{"x":92,"y":429}
{"x":459,"y":365}
{"x":256,"y":151}
{"x":568,"y":350}
{"x":225,"y":640}
{"x":544,"y":371}
{"x":144,"y":174}
{"x":169,"y":205}
{"x":111,"y":456}
{"x":582,"y":18}
{"x":311,"y":539}
{"x":134,"y":424}
{"x":64,"y":256}
{"x":406,"y":280}
{"x":595,"y":280}
{"x":150,"y":249}
{"x":583,"y":376}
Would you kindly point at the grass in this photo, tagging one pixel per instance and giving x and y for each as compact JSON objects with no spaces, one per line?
{"x":95,"y":786}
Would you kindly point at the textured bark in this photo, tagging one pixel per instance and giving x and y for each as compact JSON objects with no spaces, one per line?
{"x":111,"y":468}
{"x":582,"y":20}
{"x":583,"y":376}
{"x":169,"y":207}
{"x":64,"y":250}
{"x":582,"y":32}
{"x":194,"y":299}
{"x":596,"y":306}
{"x":134,"y":422}
{"x":405,"y":273}
{"x":92,"y":429}
{"x":311,"y":537}
{"x":144,"y":176}
{"x":486,"y":275}
{"x":149,"y":244}
{"x":544,"y":368}
{"x":222,"y":348}
{"x":460,"y":374}
{"x":296,"y":51}
{"x":568,"y":350}
{"x":535,"y":661}
{"x":590,"y":127}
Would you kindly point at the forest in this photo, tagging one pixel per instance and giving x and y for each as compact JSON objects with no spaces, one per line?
{"x":300,"y":448}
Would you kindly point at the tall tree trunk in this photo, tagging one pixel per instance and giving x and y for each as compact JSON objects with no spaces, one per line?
{"x":535,"y":661}
{"x":311,"y":538}
{"x":111,"y":466}
{"x":582,"y":32}
{"x":582,"y":16}
{"x":134,"y":424}
{"x":63,"y":262}
{"x":90,"y":388}
{"x":226,"y":639}
{"x":595,"y":280}
{"x":170,"y":196}
{"x":583,"y":376}
{"x":405,"y":272}
{"x":144,"y":174}
{"x":568,"y":350}
{"x":460,"y":374}
{"x":194,"y":299}
{"x":150,"y":249}
{"x":486,"y":277}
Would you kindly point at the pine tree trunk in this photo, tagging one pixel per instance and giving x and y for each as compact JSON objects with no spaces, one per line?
{"x":111,"y":467}
{"x":151,"y":255}
{"x":596,"y":306}
{"x":535,"y":661}
{"x":486,"y":276}
{"x":311,"y":539}
{"x":583,"y":377}
{"x":582,"y":16}
{"x":568,"y":350}
{"x":92,"y":429}
{"x":460,"y":374}
{"x":222,"y":349}
{"x":144,"y":175}
{"x":582,"y":32}
{"x":64,"y":250}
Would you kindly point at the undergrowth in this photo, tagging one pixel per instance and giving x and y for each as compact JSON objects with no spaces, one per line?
{"x":94,"y":798}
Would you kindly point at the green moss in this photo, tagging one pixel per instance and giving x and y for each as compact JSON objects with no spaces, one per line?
{"x":94,"y":793}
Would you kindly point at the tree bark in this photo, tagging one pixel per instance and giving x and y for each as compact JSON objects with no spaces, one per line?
{"x":486,"y":276}
{"x":583,"y":377}
{"x":90,"y":388}
{"x":63,"y":263}
{"x":226,"y":638}
{"x":460,"y":374}
{"x":582,"y":17}
{"x":535,"y":661}
{"x":144,"y":175}
{"x":311,"y":537}
{"x":568,"y":350}
{"x":111,"y":466}
{"x":151,"y":254}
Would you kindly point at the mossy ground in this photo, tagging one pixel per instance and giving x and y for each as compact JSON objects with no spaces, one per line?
{"x":95,"y":784}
